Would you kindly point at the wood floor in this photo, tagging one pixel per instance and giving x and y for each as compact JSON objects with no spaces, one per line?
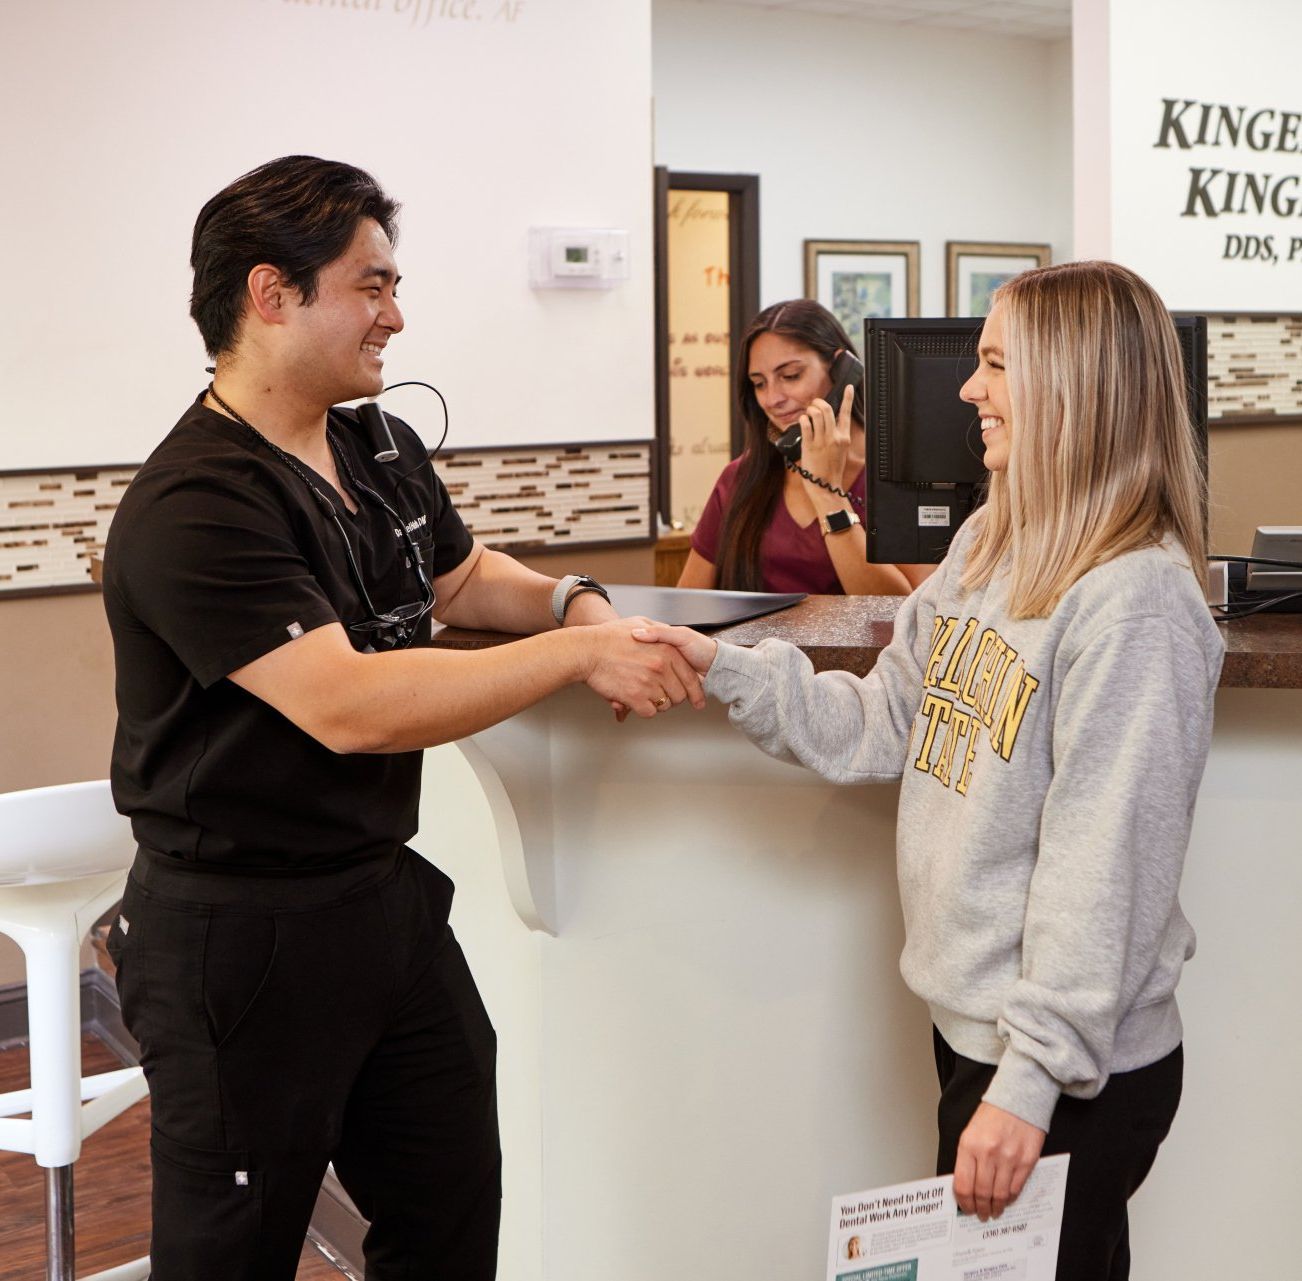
{"x":112,"y":1190}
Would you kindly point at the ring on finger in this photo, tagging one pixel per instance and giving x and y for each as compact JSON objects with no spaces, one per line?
{"x":662,"y":702}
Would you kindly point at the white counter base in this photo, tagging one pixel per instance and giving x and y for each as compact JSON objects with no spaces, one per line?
{"x":716,"y":1038}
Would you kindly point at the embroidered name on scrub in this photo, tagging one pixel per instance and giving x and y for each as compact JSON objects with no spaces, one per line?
{"x":969,"y":688}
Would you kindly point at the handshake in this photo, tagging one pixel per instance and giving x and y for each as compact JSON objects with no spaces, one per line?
{"x":644,"y":667}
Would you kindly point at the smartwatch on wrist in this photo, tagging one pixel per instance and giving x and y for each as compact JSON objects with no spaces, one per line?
{"x":568,"y":588}
{"x":837,"y":522}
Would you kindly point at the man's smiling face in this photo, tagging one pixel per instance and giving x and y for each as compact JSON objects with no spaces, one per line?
{"x":337,"y":341}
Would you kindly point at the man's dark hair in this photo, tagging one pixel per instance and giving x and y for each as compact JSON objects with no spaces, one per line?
{"x":298,"y":213}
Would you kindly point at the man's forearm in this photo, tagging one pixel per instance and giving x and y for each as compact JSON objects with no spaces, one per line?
{"x":419,"y":698}
{"x":502,"y":595}
{"x":411,"y":699}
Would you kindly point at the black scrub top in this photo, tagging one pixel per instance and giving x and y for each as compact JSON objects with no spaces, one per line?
{"x":217,"y":555}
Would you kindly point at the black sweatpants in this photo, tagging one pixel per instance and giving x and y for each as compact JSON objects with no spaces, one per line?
{"x":1112,"y":1139}
{"x":288,"y":1022}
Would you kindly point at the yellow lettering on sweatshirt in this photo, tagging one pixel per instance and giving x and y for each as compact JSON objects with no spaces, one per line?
{"x":978,"y":665}
{"x":987,"y":706}
{"x":960,"y":724}
{"x":953,"y":673}
{"x":941,"y":631}
{"x":1003,"y":737}
{"x":988,"y":677}
{"x":973,"y":738}
{"x":937,"y":710}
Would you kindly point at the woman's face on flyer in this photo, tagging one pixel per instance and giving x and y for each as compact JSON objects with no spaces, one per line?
{"x":987,"y":390}
{"x":785,"y":375}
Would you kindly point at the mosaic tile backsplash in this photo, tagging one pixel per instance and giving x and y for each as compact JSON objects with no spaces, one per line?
{"x":1254,"y":366}
{"x":51,"y":523}
{"x":529,"y":499}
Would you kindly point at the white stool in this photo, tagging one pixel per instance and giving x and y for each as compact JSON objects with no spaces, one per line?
{"x":64,"y":855}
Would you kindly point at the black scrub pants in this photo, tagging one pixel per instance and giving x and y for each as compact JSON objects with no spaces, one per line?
{"x":1112,"y":1139}
{"x":288,"y":1022}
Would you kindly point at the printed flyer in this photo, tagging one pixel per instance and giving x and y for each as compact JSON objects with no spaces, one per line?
{"x":915,"y":1232}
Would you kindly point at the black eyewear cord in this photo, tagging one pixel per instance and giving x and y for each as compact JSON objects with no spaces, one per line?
{"x":394,"y":628}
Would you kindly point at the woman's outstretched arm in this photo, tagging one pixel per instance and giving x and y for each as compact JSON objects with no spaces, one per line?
{"x":846,"y":728}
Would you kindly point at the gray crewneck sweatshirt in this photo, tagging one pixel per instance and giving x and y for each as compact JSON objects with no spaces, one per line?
{"x":1048,"y":772}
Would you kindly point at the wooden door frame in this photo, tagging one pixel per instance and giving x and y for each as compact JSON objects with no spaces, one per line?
{"x":743,"y":297}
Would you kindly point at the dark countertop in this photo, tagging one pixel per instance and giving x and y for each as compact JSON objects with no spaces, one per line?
{"x":846,"y":633}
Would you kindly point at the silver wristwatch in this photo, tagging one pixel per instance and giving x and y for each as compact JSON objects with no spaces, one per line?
{"x":568,"y":588}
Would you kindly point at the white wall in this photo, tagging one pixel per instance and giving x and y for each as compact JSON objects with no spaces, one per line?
{"x":867,"y":131}
{"x":1091,"y":129}
{"x":483,"y":116}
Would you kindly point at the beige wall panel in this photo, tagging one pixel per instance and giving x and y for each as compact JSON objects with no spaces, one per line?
{"x":56,"y":691}
{"x":1256,"y":479}
{"x":634,"y":565}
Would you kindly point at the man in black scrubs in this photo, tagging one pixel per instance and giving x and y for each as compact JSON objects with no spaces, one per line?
{"x":284,"y":960}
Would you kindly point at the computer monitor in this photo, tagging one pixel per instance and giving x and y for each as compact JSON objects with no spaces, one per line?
{"x":924,"y":451}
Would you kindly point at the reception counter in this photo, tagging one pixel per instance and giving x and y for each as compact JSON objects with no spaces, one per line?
{"x":690,"y":953}
{"x":846,"y":633}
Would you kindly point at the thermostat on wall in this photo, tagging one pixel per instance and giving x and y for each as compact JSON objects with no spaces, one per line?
{"x":577,"y":257}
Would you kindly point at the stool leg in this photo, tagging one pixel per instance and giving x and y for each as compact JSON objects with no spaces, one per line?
{"x":54,"y":1040}
{"x":59,"y":1235}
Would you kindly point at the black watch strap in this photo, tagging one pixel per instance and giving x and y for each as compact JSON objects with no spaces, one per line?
{"x":568,"y":588}
{"x":838,"y":522}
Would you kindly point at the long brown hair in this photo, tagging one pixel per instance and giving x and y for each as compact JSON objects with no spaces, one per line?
{"x":1102,"y":458}
{"x":761,"y":474}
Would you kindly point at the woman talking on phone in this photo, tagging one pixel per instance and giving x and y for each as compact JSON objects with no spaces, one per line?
{"x":791,"y":519}
{"x":1046,"y":703}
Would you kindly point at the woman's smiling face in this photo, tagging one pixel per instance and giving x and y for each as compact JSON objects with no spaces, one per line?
{"x":987,"y":390}
{"x":785,"y":376}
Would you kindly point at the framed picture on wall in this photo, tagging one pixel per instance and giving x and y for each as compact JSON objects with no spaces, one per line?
{"x":975,"y":269}
{"x":854,"y":279}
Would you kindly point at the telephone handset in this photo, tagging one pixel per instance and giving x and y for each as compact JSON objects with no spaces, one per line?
{"x":846,"y":371}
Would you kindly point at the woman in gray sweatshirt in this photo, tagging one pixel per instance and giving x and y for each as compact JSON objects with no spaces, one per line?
{"x":1046,"y":704}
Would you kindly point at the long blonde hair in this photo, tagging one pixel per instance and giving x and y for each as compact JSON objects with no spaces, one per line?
{"x":1102,"y":457}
